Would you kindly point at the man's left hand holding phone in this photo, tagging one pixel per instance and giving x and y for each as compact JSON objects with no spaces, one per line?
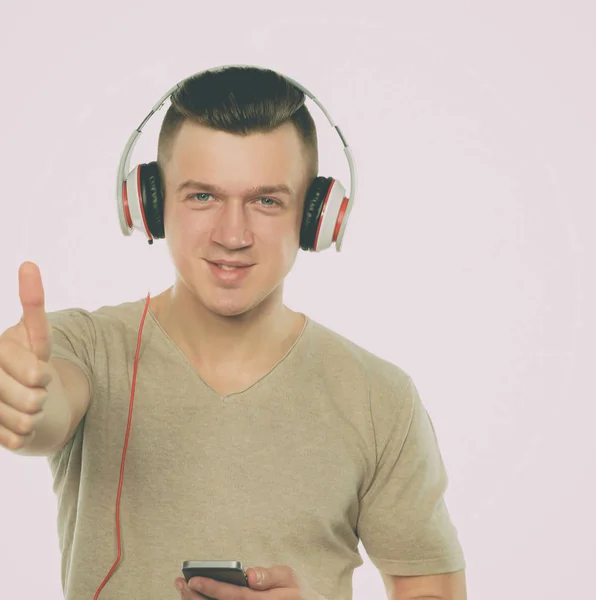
{"x":228,"y":580}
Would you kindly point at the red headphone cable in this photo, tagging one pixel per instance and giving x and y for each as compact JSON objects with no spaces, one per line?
{"x":132,"y":393}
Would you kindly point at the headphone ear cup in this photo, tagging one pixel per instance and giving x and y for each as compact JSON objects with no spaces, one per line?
{"x":313,"y":207}
{"x":151,"y":190}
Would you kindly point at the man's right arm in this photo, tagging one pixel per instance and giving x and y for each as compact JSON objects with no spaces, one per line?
{"x":42,"y":398}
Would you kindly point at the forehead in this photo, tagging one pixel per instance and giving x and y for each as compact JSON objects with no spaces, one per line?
{"x":268,"y":157}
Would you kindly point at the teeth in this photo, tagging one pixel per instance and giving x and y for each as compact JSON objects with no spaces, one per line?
{"x":226,"y":268}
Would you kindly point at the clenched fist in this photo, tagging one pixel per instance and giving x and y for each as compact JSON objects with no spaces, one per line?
{"x":25,"y":370}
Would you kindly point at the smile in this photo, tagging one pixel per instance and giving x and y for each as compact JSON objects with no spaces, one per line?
{"x":229,"y":274}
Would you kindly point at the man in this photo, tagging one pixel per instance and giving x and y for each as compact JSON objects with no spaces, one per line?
{"x":258,"y":434}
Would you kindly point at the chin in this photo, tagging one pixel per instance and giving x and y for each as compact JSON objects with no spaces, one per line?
{"x":240,"y":302}
{"x":229,"y":308}
{"x":228,"y":303}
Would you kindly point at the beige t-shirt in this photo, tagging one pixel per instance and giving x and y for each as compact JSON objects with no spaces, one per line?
{"x":331,"y":447}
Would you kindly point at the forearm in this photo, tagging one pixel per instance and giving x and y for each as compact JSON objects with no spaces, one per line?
{"x":455,"y":596}
{"x":55,"y":423}
{"x":449,"y":597}
{"x":446,"y":586}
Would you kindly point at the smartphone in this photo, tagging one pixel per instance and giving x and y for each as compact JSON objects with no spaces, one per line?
{"x":227,"y":571}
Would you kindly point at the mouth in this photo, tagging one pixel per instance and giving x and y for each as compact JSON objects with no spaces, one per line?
{"x":229,"y":273}
{"x":230,"y":266}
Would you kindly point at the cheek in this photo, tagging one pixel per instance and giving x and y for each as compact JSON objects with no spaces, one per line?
{"x":185,"y":229}
{"x":186,"y":241}
{"x":286,"y":250}
{"x":278,"y":238}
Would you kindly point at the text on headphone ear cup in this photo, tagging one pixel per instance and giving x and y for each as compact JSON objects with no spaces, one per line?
{"x":313,"y":207}
{"x":152,"y":198}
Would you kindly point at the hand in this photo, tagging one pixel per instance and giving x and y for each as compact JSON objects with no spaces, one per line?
{"x":25,"y":351}
{"x":278,"y":583}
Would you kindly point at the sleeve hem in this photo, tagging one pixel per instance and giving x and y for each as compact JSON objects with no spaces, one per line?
{"x":444,"y":564}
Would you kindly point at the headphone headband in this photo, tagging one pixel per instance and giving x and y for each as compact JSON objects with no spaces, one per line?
{"x":124,"y":166}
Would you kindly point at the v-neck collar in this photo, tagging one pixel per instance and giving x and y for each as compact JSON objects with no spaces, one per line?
{"x":185,"y":358}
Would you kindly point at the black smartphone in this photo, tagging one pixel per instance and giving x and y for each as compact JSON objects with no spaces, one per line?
{"x":227,"y":571}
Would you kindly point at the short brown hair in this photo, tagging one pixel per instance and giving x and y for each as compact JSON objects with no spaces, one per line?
{"x":239,"y":100}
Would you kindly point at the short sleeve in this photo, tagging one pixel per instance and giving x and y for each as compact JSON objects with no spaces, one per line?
{"x":404,"y":524}
{"x":74,"y":338}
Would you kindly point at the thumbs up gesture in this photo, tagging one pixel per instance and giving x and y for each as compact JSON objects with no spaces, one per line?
{"x":25,"y":373}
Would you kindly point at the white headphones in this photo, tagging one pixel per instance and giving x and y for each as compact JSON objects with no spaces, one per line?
{"x":140,"y":199}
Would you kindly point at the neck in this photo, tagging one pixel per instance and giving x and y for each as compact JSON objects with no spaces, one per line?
{"x":213,"y":340}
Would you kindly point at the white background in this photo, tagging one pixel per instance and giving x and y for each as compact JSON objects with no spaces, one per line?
{"x":469,"y":260}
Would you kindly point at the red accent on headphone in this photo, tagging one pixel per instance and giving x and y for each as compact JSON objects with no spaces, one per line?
{"x":141,"y":202}
{"x":132,"y":395}
{"x":340,"y":216}
{"x":125,"y":203}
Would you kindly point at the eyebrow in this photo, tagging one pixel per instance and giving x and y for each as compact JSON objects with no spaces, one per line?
{"x":214,"y":189}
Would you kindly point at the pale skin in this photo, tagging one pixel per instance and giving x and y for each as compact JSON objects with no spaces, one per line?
{"x":244,"y":328}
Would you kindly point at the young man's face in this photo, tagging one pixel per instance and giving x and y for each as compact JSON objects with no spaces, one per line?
{"x":204,"y":225}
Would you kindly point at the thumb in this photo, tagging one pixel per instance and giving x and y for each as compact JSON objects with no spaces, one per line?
{"x":34,"y":316}
{"x":256,"y":577}
{"x":280,"y":576}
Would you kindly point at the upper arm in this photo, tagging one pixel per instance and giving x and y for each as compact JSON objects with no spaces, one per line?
{"x":403,"y":520}
{"x":445,"y":586}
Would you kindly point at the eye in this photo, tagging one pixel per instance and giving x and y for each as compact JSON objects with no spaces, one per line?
{"x":194,"y":196}
{"x":202,"y":197}
{"x":273,"y":202}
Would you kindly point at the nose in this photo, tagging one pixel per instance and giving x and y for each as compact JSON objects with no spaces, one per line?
{"x":232,"y":227}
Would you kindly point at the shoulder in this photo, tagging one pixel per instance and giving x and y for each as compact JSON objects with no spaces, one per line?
{"x":92,"y":322}
{"x":123,"y":312}
{"x":333,"y":348}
